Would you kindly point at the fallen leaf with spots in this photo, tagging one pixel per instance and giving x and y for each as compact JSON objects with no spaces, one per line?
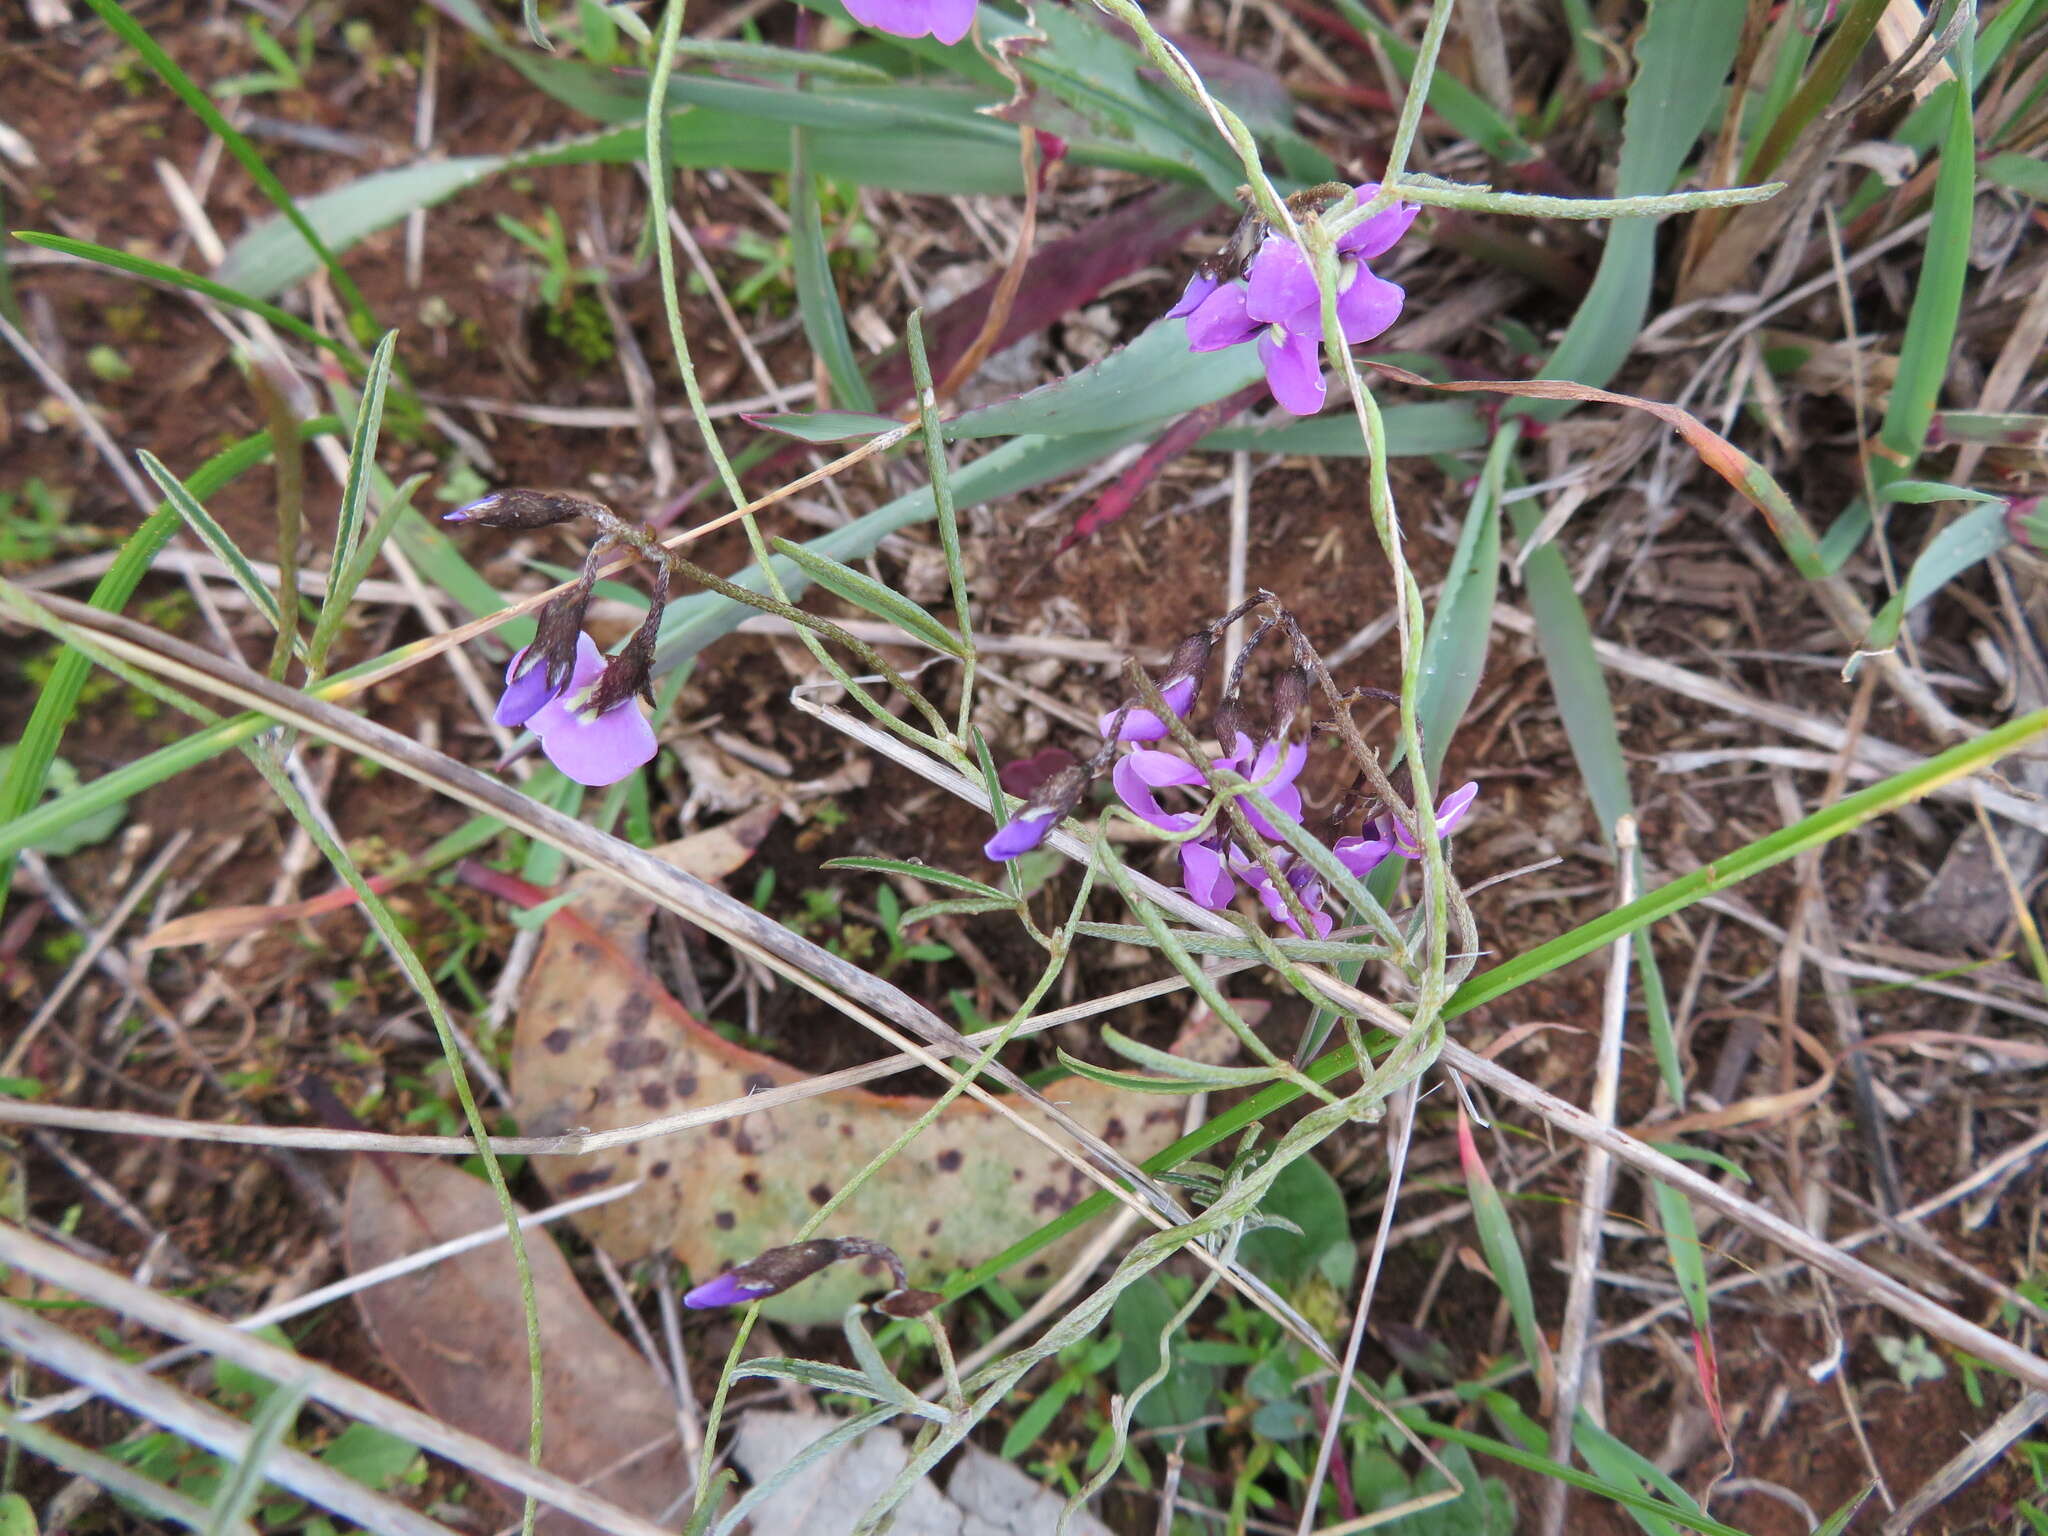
{"x":601,"y":1044}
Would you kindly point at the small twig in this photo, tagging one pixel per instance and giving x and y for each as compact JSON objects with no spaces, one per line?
{"x":1576,"y":1361}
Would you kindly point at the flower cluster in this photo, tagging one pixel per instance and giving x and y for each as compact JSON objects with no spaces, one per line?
{"x":1215,"y":863}
{"x":584,"y":709}
{"x":1279,"y":305}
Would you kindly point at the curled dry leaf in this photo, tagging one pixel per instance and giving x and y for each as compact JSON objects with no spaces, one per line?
{"x":601,"y":1044}
{"x":452,"y":1334}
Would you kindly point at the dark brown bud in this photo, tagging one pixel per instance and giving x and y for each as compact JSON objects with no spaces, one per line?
{"x":632,"y":670}
{"x":908,"y":1303}
{"x":1290,"y":693}
{"x":520,"y":509}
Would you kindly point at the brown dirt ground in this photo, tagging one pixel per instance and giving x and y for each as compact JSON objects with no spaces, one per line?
{"x":311,"y":1002}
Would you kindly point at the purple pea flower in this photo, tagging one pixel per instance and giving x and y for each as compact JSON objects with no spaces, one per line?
{"x":1140,"y":724}
{"x":1280,"y":307}
{"x":592,"y":745}
{"x":727,"y":1290}
{"x":1056,"y":795}
{"x":946,"y":20}
{"x":1208,"y":872}
{"x":1385,"y":835}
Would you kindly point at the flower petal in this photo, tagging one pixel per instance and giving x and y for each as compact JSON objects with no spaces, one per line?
{"x":1376,"y":236}
{"x":1294,"y":371}
{"x":726,"y":1290}
{"x":950,"y":20}
{"x":1021,"y":835}
{"x":1219,"y":321}
{"x":1368,"y":306}
{"x":1205,"y":876}
{"x":1199,"y":287}
{"x":1138,"y":774}
{"x":525,"y":691}
{"x":899,"y":18}
{"x":1283,"y":284}
{"x":1140,"y":724}
{"x":528,"y":693}
{"x":1362,"y":855}
{"x":602,"y":750}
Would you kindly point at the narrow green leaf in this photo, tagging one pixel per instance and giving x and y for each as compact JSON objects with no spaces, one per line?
{"x":964,"y":906}
{"x":2024,"y":174}
{"x":1457,"y":103}
{"x":215,"y":537}
{"x":1838,"y":1522}
{"x":864,"y":592}
{"x":174,"y":277}
{"x":1502,"y":1248}
{"x":1454,"y":649}
{"x":1135,"y":1082}
{"x":238,"y":1491}
{"x":817,"y":292}
{"x":1169,"y":1065}
{"x":916,"y":871}
{"x":1968,"y":541}
{"x":824,"y":426}
{"x":362,"y":457}
{"x":341,"y":588}
{"x":21,"y":785}
{"x":1682,"y":1248}
{"x":1926,"y":491}
{"x":1413,"y":430}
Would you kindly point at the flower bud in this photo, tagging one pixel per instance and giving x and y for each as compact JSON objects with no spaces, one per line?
{"x":519,"y":509}
{"x":1054,"y":798}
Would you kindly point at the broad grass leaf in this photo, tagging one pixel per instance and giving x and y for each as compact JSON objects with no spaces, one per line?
{"x":1153,"y":379}
{"x":1307,"y":1196}
{"x":452,"y":1334}
{"x":600,"y":1043}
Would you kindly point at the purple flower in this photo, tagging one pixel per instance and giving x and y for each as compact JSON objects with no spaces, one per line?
{"x":1278,"y":305}
{"x":1385,"y":835}
{"x":946,"y":20}
{"x":590,"y":745}
{"x":1021,"y":835}
{"x":1140,"y":724}
{"x":1302,"y":879}
{"x":526,"y":681}
{"x":727,"y":1290}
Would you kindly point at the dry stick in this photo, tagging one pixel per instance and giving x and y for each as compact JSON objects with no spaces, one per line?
{"x":1401,"y":1134}
{"x":1576,"y":1364}
{"x":1974,"y":1458}
{"x":391,"y":1269}
{"x":1879,"y":1287}
{"x":223,"y":1434}
{"x":144,"y":1393}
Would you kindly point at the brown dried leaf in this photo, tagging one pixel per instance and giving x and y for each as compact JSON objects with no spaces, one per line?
{"x":452,"y":1332}
{"x":600,"y":1044}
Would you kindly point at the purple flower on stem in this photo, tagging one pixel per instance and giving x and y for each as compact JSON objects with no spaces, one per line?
{"x":1385,"y":835}
{"x":1209,"y":874}
{"x":1280,"y":307}
{"x":727,"y":1290}
{"x":1140,"y":724}
{"x":946,"y":20}
{"x":1020,"y":835}
{"x":592,"y":745}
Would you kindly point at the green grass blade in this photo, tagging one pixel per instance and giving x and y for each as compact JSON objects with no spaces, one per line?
{"x":1449,"y":97}
{"x":1682,"y":1248}
{"x":362,"y":458}
{"x":1938,"y":296}
{"x":863,"y":591}
{"x":215,"y":537}
{"x":1454,"y":650}
{"x":817,"y":294}
{"x":238,"y":1491}
{"x":925,"y":872}
{"x":1682,"y":67}
{"x":1587,"y":709}
{"x":174,"y":277}
{"x":131,"y":32}
{"x":341,"y":586}
{"x":1503,"y":1250}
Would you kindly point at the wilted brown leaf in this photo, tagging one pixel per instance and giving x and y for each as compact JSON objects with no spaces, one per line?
{"x":452,"y":1332}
